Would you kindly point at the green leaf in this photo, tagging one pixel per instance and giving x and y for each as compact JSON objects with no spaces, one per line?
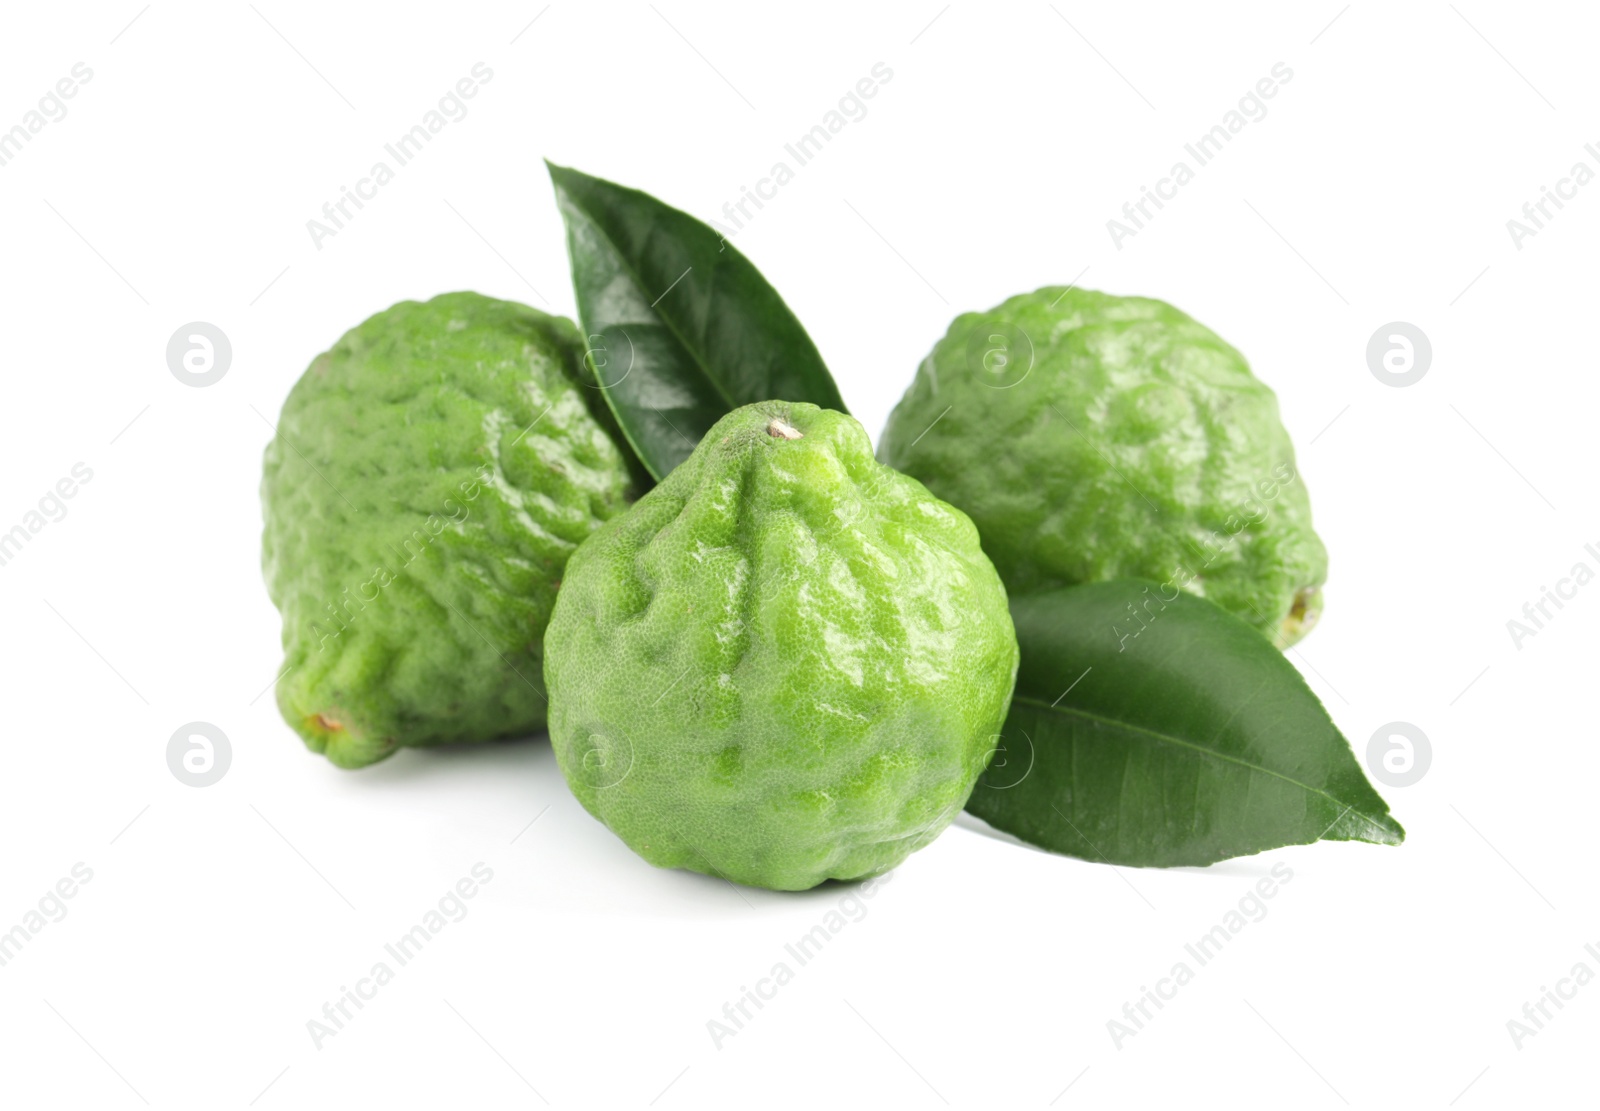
{"x":1155,"y":730}
{"x":682,"y":328}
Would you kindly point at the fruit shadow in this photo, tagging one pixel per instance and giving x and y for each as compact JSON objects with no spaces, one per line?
{"x":480,"y":770}
{"x":510,"y":754}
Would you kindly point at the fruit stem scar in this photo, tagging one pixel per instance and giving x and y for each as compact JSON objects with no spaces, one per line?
{"x":781,"y":427}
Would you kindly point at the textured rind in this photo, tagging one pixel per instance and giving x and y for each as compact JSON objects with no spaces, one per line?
{"x":429,"y":478}
{"x":784,"y":664}
{"x":1134,"y":443}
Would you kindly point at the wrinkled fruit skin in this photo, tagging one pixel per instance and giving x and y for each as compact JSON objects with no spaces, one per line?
{"x":429,"y":478}
{"x":1093,"y":437}
{"x":783,"y":665}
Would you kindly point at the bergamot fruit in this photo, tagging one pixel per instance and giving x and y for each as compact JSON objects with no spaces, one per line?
{"x":1094,"y":437}
{"x":785,"y":664}
{"x":429,"y":477}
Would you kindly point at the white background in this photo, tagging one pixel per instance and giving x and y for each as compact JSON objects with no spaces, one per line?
{"x":220,"y":920}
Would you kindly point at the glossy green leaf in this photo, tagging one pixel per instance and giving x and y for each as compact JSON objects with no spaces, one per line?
{"x":682,"y":328}
{"x":1155,"y":730}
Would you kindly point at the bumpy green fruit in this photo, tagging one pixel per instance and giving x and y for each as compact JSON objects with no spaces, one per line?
{"x":1094,"y":437}
{"x":429,"y":478}
{"x":784,"y":664}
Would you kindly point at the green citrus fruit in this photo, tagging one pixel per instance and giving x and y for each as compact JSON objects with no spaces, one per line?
{"x":785,"y":663}
{"x":1093,"y":437}
{"x":429,"y":477}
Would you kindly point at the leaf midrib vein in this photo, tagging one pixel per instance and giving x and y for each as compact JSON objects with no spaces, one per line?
{"x":664,"y":317}
{"x":1180,"y":743}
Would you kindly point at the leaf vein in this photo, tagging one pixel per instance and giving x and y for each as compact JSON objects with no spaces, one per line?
{"x":1179,"y":742}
